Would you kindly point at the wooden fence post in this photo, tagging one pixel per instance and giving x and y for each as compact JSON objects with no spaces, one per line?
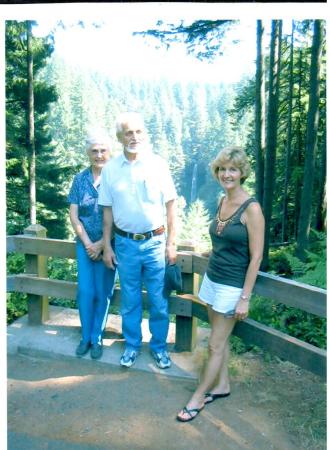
{"x":186,"y":327}
{"x":38,"y":311}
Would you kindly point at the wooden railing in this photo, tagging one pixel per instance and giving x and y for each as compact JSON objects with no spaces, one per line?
{"x":185,"y":306}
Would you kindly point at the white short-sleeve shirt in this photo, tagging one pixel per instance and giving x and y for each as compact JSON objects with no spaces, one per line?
{"x":137,"y":191}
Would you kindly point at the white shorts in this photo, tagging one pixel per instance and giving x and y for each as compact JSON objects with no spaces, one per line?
{"x":220,"y":297}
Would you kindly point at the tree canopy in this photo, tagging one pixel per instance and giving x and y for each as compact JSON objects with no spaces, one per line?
{"x":188,"y":123}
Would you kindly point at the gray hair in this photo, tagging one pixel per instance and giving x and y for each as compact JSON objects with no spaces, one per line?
{"x":97,"y":136}
{"x":124,"y":118}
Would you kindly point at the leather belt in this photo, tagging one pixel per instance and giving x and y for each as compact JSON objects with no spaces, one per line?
{"x":140,"y":236}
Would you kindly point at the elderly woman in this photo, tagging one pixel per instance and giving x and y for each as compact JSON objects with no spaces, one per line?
{"x":95,"y":280}
{"x":237,"y":235}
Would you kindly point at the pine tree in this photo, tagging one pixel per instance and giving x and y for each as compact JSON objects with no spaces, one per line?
{"x":50,"y":203}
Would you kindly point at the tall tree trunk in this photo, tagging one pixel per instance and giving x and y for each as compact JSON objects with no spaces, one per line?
{"x":288,"y":145}
{"x":311,"y":141}
{"x":271,"y":139}
{"x":321,"y":200}
{"x":298,"y":152}
{"x":31,"y":140}
{"x":260,"y":115}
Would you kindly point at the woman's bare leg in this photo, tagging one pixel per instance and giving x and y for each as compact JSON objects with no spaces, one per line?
{"x":221,"y":384}
{"x":218,"y":354}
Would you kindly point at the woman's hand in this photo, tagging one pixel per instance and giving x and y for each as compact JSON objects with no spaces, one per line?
{"x":94,"y":250}
{"x":242,"y":310}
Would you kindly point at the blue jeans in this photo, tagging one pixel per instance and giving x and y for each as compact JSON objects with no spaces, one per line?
{"x":142,"y":262}
{"x":95,"y":289}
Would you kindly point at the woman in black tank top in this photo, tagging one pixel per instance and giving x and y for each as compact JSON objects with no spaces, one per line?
{"x":237,"y":235}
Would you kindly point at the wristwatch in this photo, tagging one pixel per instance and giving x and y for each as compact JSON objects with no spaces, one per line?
{"x":246,"y":298}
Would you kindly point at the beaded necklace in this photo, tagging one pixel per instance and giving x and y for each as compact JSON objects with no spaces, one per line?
{"x":221,"y":224}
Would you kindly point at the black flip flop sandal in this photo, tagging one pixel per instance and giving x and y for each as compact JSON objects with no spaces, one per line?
{"x":189,"y":411}
{"x":214,"y":397}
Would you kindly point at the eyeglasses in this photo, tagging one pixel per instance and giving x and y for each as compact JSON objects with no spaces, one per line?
{"x":101,"y":151}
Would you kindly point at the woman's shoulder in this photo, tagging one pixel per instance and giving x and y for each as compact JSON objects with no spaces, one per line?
{"x":253,"y":207}
{"x":85,"y":173}
{"x":251,"y":201}
{"x":221,"y":198}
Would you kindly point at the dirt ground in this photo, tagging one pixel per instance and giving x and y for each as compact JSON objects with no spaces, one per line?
{"x":79,"y":404}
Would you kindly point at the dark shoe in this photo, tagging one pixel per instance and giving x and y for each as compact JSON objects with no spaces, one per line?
{"x":209,"y":398}
{"x":191,"y":412}
{"x":96,"y":351}
{"x":82,"y":348}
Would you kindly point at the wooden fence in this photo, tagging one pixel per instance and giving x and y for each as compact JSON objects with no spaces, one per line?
{"x":186,"y":306}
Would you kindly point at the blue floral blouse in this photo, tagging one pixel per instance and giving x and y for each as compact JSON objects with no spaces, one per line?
{"x":84,"y":194}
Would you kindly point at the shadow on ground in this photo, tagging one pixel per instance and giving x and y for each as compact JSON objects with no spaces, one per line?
{"x":74,"y":404}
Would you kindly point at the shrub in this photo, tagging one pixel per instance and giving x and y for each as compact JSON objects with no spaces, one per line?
{"x":62,"y":269}
{"x":300,"y":324}
{"x":16,"y":303}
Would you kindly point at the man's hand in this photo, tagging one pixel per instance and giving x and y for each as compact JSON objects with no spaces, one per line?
{"x":109,"y":258}
{"x":170,"y":253}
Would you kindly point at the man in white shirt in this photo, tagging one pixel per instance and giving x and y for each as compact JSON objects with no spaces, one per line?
{"x":136,"y":192}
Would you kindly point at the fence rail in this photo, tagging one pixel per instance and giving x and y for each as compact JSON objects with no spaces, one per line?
{"x":185,"y":306}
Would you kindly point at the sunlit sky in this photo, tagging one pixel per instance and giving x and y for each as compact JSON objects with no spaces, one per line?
{"x":112,"y":49}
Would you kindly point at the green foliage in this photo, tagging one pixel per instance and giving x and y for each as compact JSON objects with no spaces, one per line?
{"x":16,"y":302}
{"x":297,"y":323}
{"x":16,"y":306}
{"x":51,"y":203}
{"x":58,"y":268}
{"x":15,"y":263}
{"x":312,"y":271}
{"x":283,"y":262}
{"x":195,"y":226}
{"x":292,"y":321}
{"x":63,"y":269}
{"x":203,"y":37}
{"x":237,"y":345}
{"x":187,"y":122}
{"x":316,"y":270}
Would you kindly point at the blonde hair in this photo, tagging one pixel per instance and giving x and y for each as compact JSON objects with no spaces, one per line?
{"x":237,"y":156}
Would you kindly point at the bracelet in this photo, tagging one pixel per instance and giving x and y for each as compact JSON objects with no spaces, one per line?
{"x":246,"y":298}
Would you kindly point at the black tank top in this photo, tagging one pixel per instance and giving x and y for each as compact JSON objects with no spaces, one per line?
{"x":230,"y":254}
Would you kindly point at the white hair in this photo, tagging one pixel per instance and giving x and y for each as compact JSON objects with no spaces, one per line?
{"x":97,"y":136}
{"x":124,"y":118}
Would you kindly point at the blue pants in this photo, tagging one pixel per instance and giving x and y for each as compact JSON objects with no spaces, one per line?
{"x":95,"y":289}
{"x":142,"y":262}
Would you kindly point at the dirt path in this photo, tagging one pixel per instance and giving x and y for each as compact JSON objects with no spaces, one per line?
{"x":72,"y":404}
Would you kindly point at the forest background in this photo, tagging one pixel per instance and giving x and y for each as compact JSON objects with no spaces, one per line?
{"x":277,"y":113}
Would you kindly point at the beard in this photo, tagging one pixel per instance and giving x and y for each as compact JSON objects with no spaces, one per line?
{"x":137,"y":148}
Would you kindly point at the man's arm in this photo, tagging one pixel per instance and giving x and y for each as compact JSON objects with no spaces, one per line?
{"x":171,"y":231}
{"x":109,"y":256}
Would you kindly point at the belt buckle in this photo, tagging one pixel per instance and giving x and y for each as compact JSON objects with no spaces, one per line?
{"x":138,"y":237}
